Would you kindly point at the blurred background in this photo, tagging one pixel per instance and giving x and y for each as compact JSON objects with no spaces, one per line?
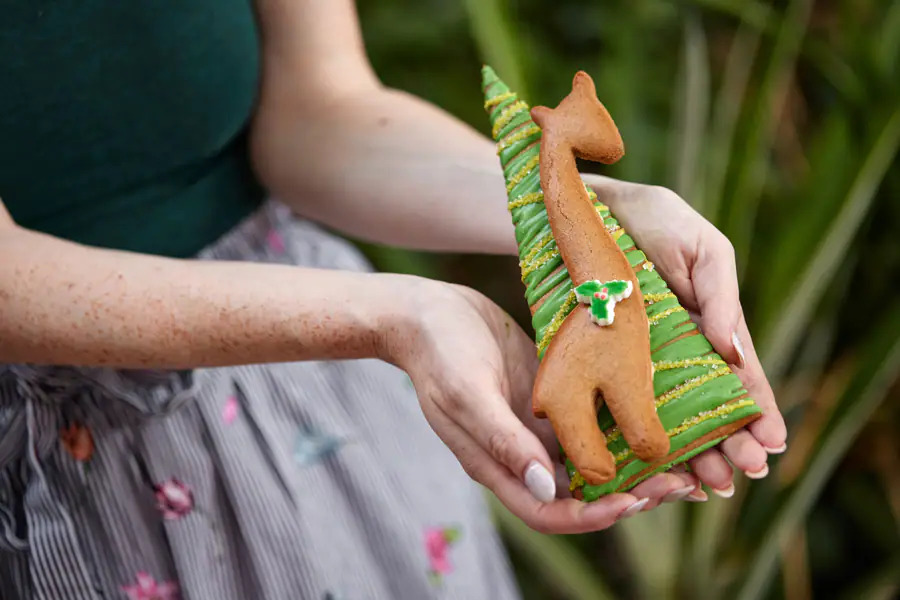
{"x":780,"y":122}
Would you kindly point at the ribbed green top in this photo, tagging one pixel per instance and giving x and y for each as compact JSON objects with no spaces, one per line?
{"x":122,"y":124}
{"x":696,"y":392}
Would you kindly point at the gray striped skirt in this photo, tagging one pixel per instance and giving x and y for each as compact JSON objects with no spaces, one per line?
{"x":316,"y":480}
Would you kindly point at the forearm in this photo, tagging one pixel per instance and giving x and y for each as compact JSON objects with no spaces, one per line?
{"x":62,"y":303}
{"x":387,"y":167}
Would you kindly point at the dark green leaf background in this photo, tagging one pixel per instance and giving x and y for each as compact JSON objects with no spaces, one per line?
{"x":779,"y":121}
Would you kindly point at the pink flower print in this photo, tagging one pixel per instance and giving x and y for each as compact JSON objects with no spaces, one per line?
{"x":230,"y":410}
{"x":275,"y":241}
{"x":437,"y":545}
{"x":173,"y":499}
{"x":147,"y":588}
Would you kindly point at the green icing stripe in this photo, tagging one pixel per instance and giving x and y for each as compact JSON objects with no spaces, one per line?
{"x":550,"y":282}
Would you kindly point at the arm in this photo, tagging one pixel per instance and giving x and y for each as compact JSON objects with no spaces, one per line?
{"x":63,"y":303}
{"x":374,"y":163}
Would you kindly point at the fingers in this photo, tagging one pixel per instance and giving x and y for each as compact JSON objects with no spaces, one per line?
{"x":716,"y":289}
{"x":556,"y":516}
{"x":746,"y":454}
{"x":504,"y":438}
{"x":714,"y":279}
{"x":713,"y":470}
{"x":770,"y":429}
{"x":665,"y":487}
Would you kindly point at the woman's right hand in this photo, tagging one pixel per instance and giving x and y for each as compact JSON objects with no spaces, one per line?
{"x":473,"y":369}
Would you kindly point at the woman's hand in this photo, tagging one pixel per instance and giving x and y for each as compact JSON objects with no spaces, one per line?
{"x":473,"y":368}
{"x":698,"y":263}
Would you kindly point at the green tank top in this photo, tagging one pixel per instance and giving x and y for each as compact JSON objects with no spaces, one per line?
{"x":123,"y":123}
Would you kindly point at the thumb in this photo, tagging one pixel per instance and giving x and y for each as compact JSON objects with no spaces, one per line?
{"x":714,"y":279}
{"x":506,"y":439}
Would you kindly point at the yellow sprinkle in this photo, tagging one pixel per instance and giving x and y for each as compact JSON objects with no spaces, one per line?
{"x":523,"y":173}
{"x":506,"y":115}
{"x":648,"y":266}
{"x":667,"y":365}
{"x":517,"y":136}
{"x":615,"y":231}
{"x":538,"y":246}
{"x":577,"y":481}
{"x":669,"y":311}
{"x":691,"y":384}
{"x":530,"y":267}
{"x":720,"y":411}
{"x":532,"y":198}
{"x":654,"y":298}
{"x":557,"y":321}
{"x":498,"y":99}
{"x":620,"y":456}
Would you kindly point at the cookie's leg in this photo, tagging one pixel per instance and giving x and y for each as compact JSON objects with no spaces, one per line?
{"x":631,"y":402}
{"x":569,"y":402}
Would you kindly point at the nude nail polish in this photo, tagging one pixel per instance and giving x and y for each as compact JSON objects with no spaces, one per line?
{"x":758,"y":474}
{"x":540,"y":482}
{"x":739,"y":347}
{"x":678,"y":494}
{"x":778,"y":450}
{"x":697,"y":495}
{"x":726,"y":492}
{"x":634,"y":508}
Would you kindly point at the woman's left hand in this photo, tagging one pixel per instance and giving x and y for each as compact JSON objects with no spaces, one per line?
{"x":698,"y":263}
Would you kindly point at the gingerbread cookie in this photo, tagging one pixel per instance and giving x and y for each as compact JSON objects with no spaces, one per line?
{"x":607,"y":327}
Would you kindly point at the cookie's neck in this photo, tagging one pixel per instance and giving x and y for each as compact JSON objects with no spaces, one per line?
{"x":577,"y":227}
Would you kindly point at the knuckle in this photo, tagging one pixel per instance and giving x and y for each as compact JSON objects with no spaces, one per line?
{"x":501,"y":445}
{"x":723,"y":245}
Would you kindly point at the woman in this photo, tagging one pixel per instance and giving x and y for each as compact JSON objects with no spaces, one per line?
{"x":178,"y":446}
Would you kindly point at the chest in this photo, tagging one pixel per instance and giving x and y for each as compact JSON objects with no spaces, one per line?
{"x":96,"y":94}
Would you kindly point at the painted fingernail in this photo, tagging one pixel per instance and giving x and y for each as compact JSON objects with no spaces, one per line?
{"x":634,"y":508}
{"x":678,"y":494}
{"x":739,"y":346}
{"x":540,"y":482}
{"x":758,"y":474}
{"x":724,"y":493}
{"x":779,"y":450}
{"x":697,"y":495}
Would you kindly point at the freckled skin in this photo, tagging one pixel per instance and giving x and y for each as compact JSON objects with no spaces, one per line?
{"x":62,"y":303}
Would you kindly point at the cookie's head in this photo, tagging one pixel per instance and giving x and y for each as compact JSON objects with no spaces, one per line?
{"x":582,"y":123}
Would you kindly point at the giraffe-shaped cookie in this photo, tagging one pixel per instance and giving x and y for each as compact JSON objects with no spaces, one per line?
{"x":601,"y":353}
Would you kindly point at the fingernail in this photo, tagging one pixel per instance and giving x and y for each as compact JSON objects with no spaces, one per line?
{"x":697,"y":495}
{"x":758,"y":474}
{"x":634,"y":508}
{"x":540,"y":482}
{"x":724,"y":493}
{"x":779,"y":450}
{"x":678,"y":494}
{"x":739,"y":347}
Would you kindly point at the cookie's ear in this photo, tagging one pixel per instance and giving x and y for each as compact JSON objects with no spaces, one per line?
{"x":583,"y":84}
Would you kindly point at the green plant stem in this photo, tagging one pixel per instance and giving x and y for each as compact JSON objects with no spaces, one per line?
{"x":877,"y":371}
{"x":783,"y":333}
{"x":497,"y":41}
{"x":552,"y":557}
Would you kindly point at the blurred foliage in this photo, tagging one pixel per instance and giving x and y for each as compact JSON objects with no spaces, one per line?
{"x":780,"y":122}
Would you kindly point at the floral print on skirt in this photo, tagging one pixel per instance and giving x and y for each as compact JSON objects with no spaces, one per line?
{"x":286,"y":481}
